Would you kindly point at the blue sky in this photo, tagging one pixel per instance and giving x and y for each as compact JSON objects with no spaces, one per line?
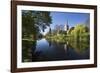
{"x":61,"y":18}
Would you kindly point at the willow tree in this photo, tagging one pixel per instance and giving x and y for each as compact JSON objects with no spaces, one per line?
{"x":80,"y":32}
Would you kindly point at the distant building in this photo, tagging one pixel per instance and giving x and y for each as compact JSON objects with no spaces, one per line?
{"x":66,"y":27}
{"x":61,"y":28}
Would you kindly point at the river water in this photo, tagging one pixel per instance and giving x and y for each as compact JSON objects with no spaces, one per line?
{"x":44,"y":50}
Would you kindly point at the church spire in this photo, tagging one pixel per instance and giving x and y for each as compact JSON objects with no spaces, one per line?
{"x":66,"y":27}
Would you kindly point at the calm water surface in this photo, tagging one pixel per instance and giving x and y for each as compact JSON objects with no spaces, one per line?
{"x":44,"y":50}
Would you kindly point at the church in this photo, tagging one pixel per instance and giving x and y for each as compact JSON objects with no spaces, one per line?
{"x":66,"y":27}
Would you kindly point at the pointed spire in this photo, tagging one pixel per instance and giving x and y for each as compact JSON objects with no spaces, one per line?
{"x":67,"y":21}
{"x":67,"y":25}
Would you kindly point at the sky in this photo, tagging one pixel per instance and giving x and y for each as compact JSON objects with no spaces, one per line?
{"x":62,"y":18}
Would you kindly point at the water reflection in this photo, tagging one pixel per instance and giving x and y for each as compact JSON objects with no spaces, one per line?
{"x":49,"y":50}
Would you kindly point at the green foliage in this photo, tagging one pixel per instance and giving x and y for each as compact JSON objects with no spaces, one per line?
{"x":80,"y":32}
{"x":77,"y":37}
{"x":26,"y":48}
{"x":34,"y":21}
{"x":28,"y":24}
{"x":79,"y":29}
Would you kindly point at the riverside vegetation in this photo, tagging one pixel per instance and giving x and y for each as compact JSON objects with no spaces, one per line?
{"x":34,"y":21}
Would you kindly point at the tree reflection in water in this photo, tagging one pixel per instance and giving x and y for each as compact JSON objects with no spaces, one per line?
{"x":50,"y":50}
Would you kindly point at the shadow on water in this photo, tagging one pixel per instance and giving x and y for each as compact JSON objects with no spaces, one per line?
{"x":50,"y":50}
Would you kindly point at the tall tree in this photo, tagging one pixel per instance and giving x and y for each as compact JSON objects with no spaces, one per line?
{"x":35,"y":21}
{"x":42,"y":19}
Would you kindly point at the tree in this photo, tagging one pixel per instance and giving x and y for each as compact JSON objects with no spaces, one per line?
{"x":27,"y":23}
{"x":80,"y":29}
{"x":34,"y":21}
{"x":80,"y":32}
{"x":42,"y":19}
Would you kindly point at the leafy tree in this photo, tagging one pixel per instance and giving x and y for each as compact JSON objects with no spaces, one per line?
{"x":42,"y":19}
{"x":34,"y":21}
{"x":27,"y":23}
{"x":80,"y":32}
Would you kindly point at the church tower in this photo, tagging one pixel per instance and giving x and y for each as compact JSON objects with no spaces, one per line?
{"x":66,"y":27}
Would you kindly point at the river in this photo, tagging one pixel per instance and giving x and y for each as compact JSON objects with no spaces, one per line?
{"x":44,"y":50}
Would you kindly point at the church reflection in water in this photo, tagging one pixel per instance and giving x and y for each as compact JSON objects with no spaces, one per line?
{"x":43,"y":50}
